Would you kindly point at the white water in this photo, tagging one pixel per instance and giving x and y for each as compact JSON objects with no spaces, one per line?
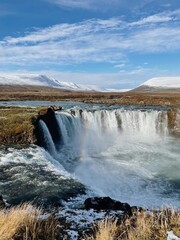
{"x":92,"y":132}
{"x":46,"y":136}
{"x":124,"y":154}
{"x":33,"y":174}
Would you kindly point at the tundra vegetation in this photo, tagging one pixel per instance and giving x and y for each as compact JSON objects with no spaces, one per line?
{"x":156,"y":98}
{"x":18,"y":124}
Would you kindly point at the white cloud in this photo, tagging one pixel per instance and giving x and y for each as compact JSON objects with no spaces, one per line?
{"x":151,"y":20}
{"x":67,"y":31}
{"x":87,"y":4}
{"x":101,"y":5}
{"x":158,"y":18}
{"x":72,"y":3}
{"x":121,"y":65}
{"x":94,"y":40}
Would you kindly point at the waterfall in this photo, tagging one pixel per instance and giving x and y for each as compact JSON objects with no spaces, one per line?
{"x":146,"y":123}
{"x":116,"y":122}
{"x":46,"y":139}
{"x":121,"y":153}
{"x":69,"y":126}
{"x":90,"y":132}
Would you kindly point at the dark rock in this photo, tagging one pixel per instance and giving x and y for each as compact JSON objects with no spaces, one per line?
{"x":49,"y":118}
{"x":55,"y":108}
{"x":106,"y":203}
{"x":50,"y":202}
{"x":73,"y":113}
{"x":2,"y":202}
{"x":125,"y":207}
{"x":80,"y":112}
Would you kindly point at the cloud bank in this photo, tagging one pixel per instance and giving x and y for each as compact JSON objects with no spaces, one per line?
{"x":94,"y":40}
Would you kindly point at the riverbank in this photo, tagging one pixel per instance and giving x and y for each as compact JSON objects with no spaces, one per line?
{"x":160,"y":98}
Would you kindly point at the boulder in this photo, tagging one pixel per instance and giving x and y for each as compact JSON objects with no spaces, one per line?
{"x":106,"y":203}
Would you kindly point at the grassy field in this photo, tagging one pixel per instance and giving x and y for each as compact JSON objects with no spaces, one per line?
{"x":163,"y":98}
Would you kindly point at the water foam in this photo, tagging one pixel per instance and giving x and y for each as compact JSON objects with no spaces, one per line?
{"x":125,"y":154}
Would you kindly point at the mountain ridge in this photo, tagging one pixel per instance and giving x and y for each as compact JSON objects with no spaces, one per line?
{"x":151,"y":85}
{"x":43,"y":80}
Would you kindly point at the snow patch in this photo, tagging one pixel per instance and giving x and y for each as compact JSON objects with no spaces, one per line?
{"x":163,"y":82}
{"x":73,"y":234}
{"x":172,"y":236}
{"x":117,"y":90}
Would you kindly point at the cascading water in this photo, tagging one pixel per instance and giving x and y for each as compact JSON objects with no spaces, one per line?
{"x":121,"y":153}
{"x":93,"y":131}
{"x":126,"y":153}
{"x":46,"y":138}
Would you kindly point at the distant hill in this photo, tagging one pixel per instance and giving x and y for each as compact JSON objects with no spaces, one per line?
{"x":161,"y":84}
{"x":43,"y":80}
{"x":46,"y":81}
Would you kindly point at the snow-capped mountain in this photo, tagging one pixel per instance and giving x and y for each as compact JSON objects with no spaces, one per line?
{"x":160,"y":83}
{"x":43,"y":80}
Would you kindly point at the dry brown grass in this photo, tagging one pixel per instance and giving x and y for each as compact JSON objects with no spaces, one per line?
{"x":106,"y":230}
{"x":15,"y":119}
{"x":141,"y":226}
{"x":25,"y":222}
{"x":160,"y":98}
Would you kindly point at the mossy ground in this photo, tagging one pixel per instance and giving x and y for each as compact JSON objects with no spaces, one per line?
{"x":17,"y":124}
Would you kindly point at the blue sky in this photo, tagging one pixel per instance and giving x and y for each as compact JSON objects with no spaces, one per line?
{"x":114,"y":44}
